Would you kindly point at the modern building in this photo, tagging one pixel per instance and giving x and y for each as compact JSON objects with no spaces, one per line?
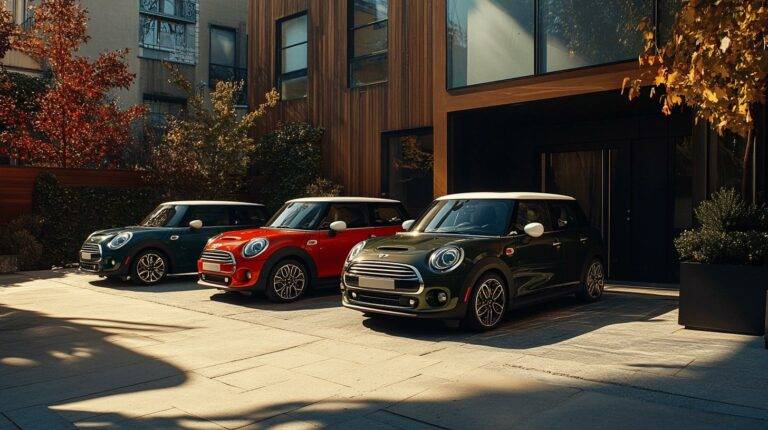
{"x":428,"y":97}
{"x":206,"y":40}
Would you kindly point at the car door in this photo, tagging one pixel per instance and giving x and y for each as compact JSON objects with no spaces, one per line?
{"x":572,"y":231}
{"x":537,"y":262}
{"x":330,"y":249}
{"x":386,"y":218}
{"x":191,"y":242}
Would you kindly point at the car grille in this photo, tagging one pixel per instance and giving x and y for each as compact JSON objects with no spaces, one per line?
{"x":215,"y":279}
{"x":215,"y":256}
{"x":93,"y":249}
{"x":379,"y":299}
{"x":384,"y":269}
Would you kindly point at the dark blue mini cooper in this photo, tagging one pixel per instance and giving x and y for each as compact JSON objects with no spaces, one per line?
{"x":167,"y":242}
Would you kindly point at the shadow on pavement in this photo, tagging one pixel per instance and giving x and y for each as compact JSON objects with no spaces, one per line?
{"x":169,"y":285}
{"x":321,"y":298}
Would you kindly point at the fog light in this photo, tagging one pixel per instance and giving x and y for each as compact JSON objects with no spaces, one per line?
{"x":353,"y":295}
{"x":248,"y":275}
{"x":226,"y":279}
{"x":413,"y":302}
{"x":442,"y":297}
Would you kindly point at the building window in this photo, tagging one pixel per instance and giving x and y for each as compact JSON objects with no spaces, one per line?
{"x":168,"y":30}
{"x":160,"y":108}
{"x":291,"y":64}
{"x":489,"y":40}
{"x":223,"y":60}
{"x":494,"y":40}
{"x":367,"y":41}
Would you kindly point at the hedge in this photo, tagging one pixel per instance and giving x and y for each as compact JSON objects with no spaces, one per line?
{"x":67,"y":215}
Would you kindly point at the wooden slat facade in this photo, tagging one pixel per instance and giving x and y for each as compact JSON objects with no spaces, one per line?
{"x":353,"y":118}
{"x":17,"y":183}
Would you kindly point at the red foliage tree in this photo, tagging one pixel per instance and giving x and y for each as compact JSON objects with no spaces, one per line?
{"x":7,"y":29}
{"x":77,"y":123}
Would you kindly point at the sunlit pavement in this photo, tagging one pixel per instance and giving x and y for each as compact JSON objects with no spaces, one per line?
{"x":79,"y":351}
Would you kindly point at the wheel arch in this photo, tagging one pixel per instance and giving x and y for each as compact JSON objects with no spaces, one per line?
{"x":154,"y":246}
{"x":482,"y":268}
{"x":286,"y":253}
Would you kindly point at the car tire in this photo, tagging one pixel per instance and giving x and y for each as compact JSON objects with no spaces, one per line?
{"x":488,"y":303}
{"x":592,"y":282}
{"x":149,"y":267}
{"x":288,"y":281}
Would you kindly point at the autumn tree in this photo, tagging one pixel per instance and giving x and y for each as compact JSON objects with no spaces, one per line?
{"x":206,"y":152}
{"x":78,"y":123}
{"x":7,"y":30}
{"x":714,"y":61}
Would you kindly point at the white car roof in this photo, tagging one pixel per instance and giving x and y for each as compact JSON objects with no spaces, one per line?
{"x":343,"y":200}
{"x":506,"y":196}
{"x":210,"y":202}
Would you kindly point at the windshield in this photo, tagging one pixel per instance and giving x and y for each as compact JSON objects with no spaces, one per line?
{"x":480,"y":217}
{"x":160,"y":217}
{"x":298,"y":215}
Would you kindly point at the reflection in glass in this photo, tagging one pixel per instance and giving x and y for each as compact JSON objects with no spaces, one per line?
{"x":368,"y":11}
{"x":371,"y":39}
{"x":368,"y":21}
{"x":409,"y":172}
{"x":369,"y":70}
{"x":728,"y":162}
{"x":578,"y":33}
{"x":292,"y":66}
{"x":489,"y":40}
{"x":222,"y":46}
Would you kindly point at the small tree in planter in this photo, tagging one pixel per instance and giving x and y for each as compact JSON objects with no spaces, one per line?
{"x":724,"y":276}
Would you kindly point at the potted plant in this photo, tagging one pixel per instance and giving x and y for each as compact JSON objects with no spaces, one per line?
{"x":724,"y":273}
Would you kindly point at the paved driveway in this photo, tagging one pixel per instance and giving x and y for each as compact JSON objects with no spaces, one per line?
{"x":75,"y":350}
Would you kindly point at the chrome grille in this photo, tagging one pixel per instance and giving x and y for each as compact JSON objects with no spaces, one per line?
{"x":384,"y":269}
{"x":215,"y":256}
{"x":93,"y":249}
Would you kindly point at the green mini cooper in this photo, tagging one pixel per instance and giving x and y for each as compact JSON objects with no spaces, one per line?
{"x":473,"y":256}
{"x":167,"y":242}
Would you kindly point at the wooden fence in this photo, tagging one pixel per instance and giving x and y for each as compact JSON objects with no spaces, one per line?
{"x":17,"y":183}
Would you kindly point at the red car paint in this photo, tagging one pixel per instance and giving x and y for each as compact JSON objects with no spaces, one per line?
{"x":318,"y":247}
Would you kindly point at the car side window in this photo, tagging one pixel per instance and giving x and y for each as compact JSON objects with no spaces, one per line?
{"x":562,"y":216}
{"x":211,"y":216}
{"x":577,"y":215}
{"x":532,"y":211}
{"x":354,"y":214}
{"x":247,"y":215}
{"x":386,"y":214}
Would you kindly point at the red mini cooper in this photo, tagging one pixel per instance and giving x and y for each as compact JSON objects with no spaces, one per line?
{"x":304,"y":245}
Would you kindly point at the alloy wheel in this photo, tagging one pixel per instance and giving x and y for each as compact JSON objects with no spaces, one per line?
{"x":289,"y":281}
{"x":150,"y":268}
{"x":490,"y":302}
{"x":595,"y":279}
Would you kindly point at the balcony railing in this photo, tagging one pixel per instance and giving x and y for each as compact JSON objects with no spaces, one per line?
{"x":182,"y":10}
{"x":218,"y":73}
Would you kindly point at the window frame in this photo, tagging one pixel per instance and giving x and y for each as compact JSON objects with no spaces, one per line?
{"x":537,"y":38}
{"x":351,"y":58}
{"x":280,"y":77}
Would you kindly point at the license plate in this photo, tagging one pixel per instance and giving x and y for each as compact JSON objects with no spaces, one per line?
{"x":376,"y":283}
{"x":212,"y":267}
{"x":85,"y":255}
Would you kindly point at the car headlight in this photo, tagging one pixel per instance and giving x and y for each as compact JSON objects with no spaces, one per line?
{"x":254,"y":247}
{"x":120,"y":240}
{"x":446,"y":259}
{"x":355,"y":251}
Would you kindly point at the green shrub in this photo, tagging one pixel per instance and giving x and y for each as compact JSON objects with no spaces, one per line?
{"x":63,"y":217}
{"x":17,"y":240}
{"x":730,"y":232}
{"x":289,"y":161}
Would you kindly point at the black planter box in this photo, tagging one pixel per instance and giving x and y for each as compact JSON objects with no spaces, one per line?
{"x":722,"y":297}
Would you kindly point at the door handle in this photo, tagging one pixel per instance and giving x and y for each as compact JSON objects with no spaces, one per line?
{"x":175,"y":237}
{"x":556,"y":244}
{"x":583,"y":239}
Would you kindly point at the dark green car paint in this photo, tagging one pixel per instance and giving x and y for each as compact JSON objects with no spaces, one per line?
{"x":180,"y":243}
{"x":534,"y":269}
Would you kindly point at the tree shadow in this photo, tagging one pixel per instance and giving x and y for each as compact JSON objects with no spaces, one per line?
{"x":45,"y":359}
{"x":319,"y":298}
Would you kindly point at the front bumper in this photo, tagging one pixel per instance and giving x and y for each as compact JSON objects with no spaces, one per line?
{"x":104,"y":263}
{"x":242,"y":276}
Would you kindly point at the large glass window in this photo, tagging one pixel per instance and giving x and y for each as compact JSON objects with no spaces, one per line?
{"x":578,"y":33}
{"x":493,"y":40}
{"x":223,"y":60}
{"x":292,"y":58}
{"x":368,"y":20}
{"x":489,"y":40}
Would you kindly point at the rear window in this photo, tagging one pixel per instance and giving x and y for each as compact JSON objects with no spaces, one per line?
{"x":387,"y":214}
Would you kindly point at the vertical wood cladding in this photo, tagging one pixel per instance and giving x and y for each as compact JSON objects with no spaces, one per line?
{"x":353,"y":118}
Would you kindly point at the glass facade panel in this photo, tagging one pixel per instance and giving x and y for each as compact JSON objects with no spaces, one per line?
{"x":294,"y":31}
{"x":223,"y":46}
{"x":368,"y":40}
{"x":295,"y":88}
{"x":369,"y":71}
{"x":292,"y":61}
{"x":578,"y":33}
{"x":371,"y":39}
{"x":489,"y":40}
{"x":368,"y":11}
{"x":294,"y":58}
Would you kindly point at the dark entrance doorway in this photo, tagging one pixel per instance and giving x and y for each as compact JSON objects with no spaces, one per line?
{"x":407,"y":168}
{"x":617,"y":158}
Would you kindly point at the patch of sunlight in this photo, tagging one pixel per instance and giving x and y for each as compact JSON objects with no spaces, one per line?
{"x":18,"y":362}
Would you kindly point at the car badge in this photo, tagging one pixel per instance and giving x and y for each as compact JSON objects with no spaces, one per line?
{"x":383,"y":255}
{"x":509,"y":251}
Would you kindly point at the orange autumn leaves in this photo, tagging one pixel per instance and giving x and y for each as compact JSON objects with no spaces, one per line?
{"x":77,"y":123}
{"x":715,"y":62}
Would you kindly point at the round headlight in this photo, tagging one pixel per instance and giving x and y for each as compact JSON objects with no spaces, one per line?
{"x":355,"y":251}
{"x":446,"y":259}
{"x":255,"y":247}
{"x":120,"y":240}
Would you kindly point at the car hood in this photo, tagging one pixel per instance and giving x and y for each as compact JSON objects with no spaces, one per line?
{"x":104,"y":235}
{"x":233,"y":240}
{"x":405,"y":246}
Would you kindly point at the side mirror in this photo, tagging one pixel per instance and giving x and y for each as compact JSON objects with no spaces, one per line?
{"x":534,"y":229}
{"x":196,"y":224}
{"x":337,"y":227}
{"x":408,"y":224}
